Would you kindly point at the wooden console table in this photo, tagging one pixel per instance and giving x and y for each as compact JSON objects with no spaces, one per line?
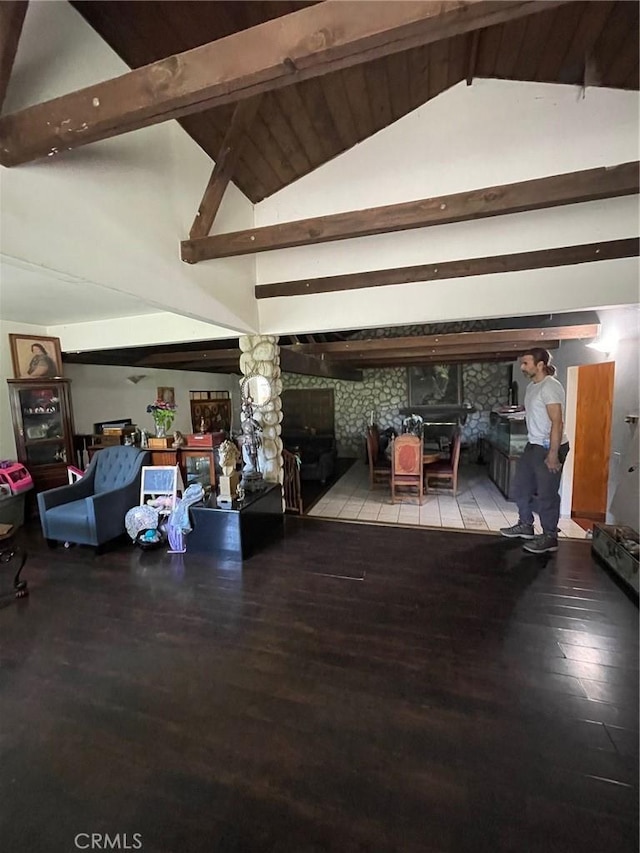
{"x":237,"y":530}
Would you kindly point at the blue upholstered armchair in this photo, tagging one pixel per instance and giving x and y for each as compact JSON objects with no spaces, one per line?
{"x":92,"y":510}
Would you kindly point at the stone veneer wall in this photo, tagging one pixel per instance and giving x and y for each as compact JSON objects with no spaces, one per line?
{"x":383,"y":391}
{"x":484,"y":386}
{"x":260,"y":356}
{"x":386,"y":391}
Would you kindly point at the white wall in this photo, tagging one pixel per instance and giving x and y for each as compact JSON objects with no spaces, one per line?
{"x":102,"y":393}
{"x":625,"y":402}
{"x":493,"y":132}
{"x":114,"y":212}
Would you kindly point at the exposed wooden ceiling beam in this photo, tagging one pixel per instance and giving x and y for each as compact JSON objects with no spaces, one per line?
{"x":226,"y":162}
{"x":12,"y":14}
{"x":515,"y":348}
{"x":304,"y":44}
{"x":538,"y":194}
{"x":229,"y":360}
{"x":309,"y":365}
{"x":540,"y":259}
{"x":499,"y":337}
{"x":203,"y":357}
{"x":210,"y":367}
{"x":451,"y":358}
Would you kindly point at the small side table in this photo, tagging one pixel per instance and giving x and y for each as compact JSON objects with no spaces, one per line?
{"x":10,"y":552}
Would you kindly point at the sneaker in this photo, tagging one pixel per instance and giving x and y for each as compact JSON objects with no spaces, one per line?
{"x":518,"y":531}
{"x":543,"y":544}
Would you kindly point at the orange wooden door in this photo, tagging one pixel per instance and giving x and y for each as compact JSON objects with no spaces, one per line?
{"x":592,"y":441}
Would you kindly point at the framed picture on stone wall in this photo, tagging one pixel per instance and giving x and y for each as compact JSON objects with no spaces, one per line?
{"x":435,"y":384}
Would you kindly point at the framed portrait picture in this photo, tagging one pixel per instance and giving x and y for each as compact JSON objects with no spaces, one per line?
{"x":166,"y":394}
{"x":212,"y":415}
{"x":435,"y":385}
{"x":35,"y":357}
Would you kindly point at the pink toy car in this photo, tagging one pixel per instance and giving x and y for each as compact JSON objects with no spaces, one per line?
{"x":15,"y":476}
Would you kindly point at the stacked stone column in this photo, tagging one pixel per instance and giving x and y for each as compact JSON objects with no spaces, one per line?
{"x":260,"y":356}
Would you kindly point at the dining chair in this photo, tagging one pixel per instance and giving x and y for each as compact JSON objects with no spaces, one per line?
{"x":379,"y":468}
{"x":406,"y":464}
{"x":446,"y":469}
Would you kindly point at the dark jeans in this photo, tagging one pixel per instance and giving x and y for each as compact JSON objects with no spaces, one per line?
{"x":537,"y":488}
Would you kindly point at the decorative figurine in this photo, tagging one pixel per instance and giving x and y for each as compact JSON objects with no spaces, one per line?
{"x":228,"y":455}
{"x":178,"y":439}
{"x":251,"y":442}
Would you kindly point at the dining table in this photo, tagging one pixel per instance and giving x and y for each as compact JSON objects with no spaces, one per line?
{"x":431,"y":456}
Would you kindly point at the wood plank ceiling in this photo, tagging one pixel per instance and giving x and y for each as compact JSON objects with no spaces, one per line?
{"x":302,"y":126}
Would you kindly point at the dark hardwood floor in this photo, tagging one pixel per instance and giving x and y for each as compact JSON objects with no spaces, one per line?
{"x":446,"y":693}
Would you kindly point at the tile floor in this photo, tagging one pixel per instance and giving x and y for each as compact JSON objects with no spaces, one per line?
{"x":479,"y":505}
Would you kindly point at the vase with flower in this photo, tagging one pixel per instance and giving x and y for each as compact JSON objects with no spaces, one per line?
{"x":163,"y":414}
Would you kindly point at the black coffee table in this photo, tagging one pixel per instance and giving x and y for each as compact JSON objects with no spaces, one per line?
{"x":238,"y":529}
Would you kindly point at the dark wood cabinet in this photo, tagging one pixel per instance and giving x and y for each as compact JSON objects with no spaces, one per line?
{"x":309,"y":410}
{"x":43,"y":429}
{"x":505,"y":445}
{"x":502,"y":469}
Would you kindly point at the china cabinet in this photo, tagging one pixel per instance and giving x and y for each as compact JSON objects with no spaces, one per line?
{"x":43,"y":429}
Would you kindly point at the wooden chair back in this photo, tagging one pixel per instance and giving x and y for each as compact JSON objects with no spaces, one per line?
{"x":447,"y":469}
{"x":374,"y":434}
{"x":378,"y":471}
{"x":291,"y":482}
{"x":406,"y":464}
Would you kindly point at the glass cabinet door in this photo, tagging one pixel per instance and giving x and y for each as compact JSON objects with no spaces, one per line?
{"x":42,"y":425}
{"x":198,"y":468}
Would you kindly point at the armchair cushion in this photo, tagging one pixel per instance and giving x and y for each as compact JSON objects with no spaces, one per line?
{"x":73,"y":517}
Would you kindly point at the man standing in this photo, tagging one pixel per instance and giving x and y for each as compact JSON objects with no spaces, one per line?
{"x":540,"y":466}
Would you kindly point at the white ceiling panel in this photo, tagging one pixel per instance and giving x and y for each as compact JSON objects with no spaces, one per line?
{"x":31,"y":294}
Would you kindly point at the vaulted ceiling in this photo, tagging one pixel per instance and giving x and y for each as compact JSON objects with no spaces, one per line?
{"x":301,"y":126}
{"x":287,"y":129}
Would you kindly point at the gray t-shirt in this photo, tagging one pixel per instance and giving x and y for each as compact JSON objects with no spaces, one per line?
{"x":536,"y":399}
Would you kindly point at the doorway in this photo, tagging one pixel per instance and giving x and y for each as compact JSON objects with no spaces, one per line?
{"x":588,"y":424}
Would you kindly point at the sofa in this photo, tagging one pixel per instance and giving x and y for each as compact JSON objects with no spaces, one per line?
{"x":317,"y":453}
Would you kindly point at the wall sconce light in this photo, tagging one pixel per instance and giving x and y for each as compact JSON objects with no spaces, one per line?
{"x":135,"y":379}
